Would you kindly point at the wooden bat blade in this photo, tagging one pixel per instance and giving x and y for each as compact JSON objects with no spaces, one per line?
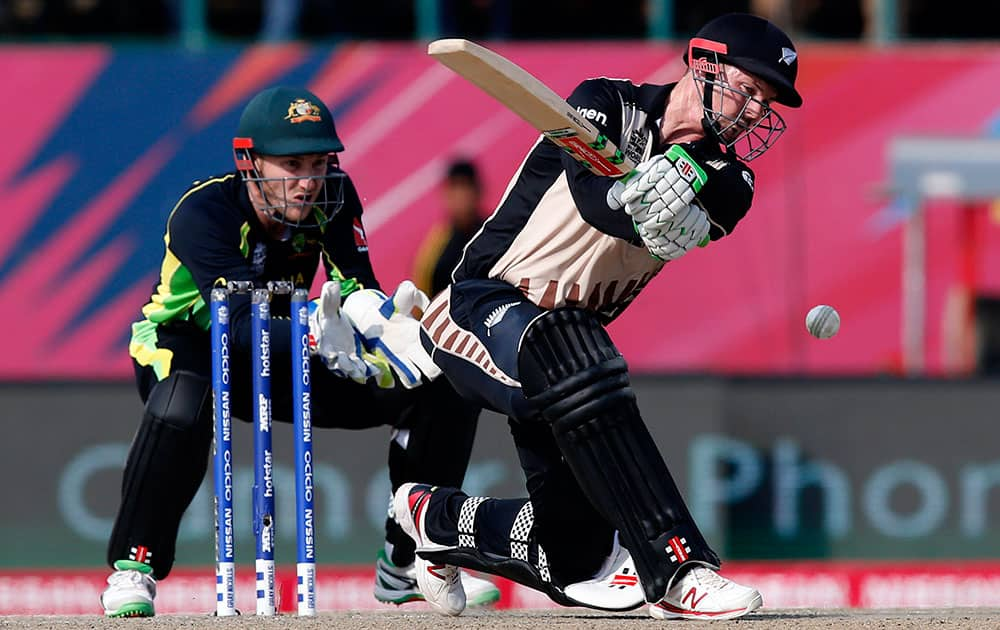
{"x":533,"y":101}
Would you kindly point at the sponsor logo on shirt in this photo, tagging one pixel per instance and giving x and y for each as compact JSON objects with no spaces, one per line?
{"x":593,"y":114}
{"x":360,"y":240}
{"x":635,"y":148}
{"x":259,"y":258}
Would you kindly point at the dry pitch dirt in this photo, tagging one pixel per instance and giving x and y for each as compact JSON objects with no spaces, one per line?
{"x":950,"y":619}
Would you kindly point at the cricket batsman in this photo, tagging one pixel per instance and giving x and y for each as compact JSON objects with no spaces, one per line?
{"x":521,"y":330}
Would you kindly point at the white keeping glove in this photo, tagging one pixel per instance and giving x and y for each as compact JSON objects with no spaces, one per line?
{"x":334,"y":339}
{"x":391,"y":332}
{"x":660,"y":197}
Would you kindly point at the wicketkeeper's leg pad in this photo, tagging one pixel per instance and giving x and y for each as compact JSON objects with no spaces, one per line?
{"x":572,"y":371}
{"x":166,"y":464}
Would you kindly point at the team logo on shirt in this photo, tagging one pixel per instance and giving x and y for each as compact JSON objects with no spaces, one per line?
{"x":496,"y":316}
{"x":301,"y":110}
{"x":299,"y":242}
{"x":359,"y":236}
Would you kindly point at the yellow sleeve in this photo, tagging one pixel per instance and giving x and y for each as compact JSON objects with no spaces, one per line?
{"x":427,"y":256}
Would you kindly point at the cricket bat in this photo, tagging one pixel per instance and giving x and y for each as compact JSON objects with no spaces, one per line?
{"x":533,"y":101}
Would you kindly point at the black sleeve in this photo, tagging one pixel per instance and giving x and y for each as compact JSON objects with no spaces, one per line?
{"x":603,"y":108}
{"x":728,"y":191}
{"x":345,"y":246}
{"x":205,"y":237}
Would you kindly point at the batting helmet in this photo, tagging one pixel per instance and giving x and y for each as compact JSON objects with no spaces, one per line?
{"x":758,"y":47}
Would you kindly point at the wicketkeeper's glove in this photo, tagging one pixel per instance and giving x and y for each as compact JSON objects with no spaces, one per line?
{"x":391,"y":332}
{"x":335,"y":340}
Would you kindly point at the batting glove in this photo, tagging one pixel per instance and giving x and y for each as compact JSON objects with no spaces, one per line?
{"x":660,"y":197}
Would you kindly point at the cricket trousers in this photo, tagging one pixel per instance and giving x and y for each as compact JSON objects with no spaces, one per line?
{"x":474,"y":330}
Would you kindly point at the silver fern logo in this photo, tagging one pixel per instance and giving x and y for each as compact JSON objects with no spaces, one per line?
{"x":496,"y":316}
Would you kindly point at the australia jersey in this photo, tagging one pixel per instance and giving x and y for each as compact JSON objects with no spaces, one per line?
{"x":213,"y":233}
{"x":554,"y":236}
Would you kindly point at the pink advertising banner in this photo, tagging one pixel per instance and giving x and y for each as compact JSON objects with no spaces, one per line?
{"x":100,"y":142}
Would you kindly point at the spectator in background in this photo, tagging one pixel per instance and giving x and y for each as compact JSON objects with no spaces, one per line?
{"x":23,"y":17}
{"x":442,"y":248}
{"x":281,"y":20}
{"x":84,"y":18}
{"x":690,"y":15}
{"x":476,"y":18}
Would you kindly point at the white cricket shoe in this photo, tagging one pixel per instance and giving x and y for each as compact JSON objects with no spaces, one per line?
{"x":615,"y":586}
{"x":441,"y":584}
{"x":398,"y":585}
{"x":130,"y":592}
{"x":704,"y":594}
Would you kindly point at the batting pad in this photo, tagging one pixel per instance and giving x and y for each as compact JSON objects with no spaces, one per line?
{"x":570,"y":368}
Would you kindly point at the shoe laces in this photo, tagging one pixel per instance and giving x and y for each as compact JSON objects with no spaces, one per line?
{"x":129,"y":577}
{"x":708,"y":577}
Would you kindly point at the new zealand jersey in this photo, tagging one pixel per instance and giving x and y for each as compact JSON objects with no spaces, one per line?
{"x":213,"y":233}
{"x":554,"y":235}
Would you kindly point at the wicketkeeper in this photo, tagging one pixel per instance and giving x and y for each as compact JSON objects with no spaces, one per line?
{"x":286,"y":208}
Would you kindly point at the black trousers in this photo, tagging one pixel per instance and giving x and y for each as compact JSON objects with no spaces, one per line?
{"x":476,"y":337}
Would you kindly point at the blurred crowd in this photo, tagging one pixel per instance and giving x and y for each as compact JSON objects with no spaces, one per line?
{"x":484,"y":19}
